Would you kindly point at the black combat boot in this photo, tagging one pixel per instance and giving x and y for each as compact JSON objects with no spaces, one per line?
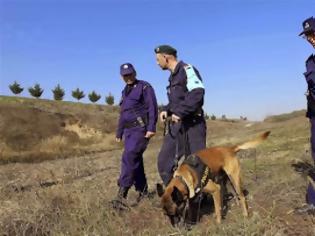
{"x":122,"y":192}
{"x":119,"y":203}
{"x":143,"y":194}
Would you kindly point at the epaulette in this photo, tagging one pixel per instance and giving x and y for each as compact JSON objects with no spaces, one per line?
{"x":311,"y":57}
{"x":145,"y":85}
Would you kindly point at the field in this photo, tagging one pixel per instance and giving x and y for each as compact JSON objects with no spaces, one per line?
{"x":60,"y":164}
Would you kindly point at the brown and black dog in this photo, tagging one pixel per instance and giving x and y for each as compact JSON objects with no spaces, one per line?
{"x":185,"y":179}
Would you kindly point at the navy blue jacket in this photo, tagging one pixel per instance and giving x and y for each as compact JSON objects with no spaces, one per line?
{"x":140,"y":101}
{"x":310,"y":79}
{"x":182,"y":102}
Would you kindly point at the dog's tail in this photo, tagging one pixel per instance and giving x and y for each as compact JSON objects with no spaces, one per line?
{"x":252,"y":143}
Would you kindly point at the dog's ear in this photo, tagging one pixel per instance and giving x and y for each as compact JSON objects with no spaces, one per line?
{"x":159,"y":189}
{"x":177,"y":196}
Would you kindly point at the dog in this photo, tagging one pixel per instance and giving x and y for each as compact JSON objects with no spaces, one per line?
{"x":186,"y":181}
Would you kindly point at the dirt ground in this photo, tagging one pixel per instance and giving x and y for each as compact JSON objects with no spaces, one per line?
{"x":67,"y":190}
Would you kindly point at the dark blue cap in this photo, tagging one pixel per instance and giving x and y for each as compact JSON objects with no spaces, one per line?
{"x":127,"y":69}
{"x":308,"y":26}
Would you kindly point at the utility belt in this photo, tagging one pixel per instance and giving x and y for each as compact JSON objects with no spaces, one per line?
{"x":141,"y":121}
{"x":193,"y":118}
{"x":310,"y":106}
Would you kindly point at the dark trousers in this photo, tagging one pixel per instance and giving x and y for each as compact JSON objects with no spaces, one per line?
{"x":312,"y":121}
{"x":132,"y":169}
{"x":310,"y":196}
{"x":195,"y":132}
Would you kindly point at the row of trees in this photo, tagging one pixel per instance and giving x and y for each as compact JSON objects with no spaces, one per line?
{"x":59,"y":93}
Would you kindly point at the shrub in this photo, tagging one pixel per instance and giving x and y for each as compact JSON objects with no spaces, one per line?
{"x":110,"y":99}
{"x":16,"y":88}
{"x":36,"y":91}
{"x":94,"y":97}
{"x":58,"y":93}
{"x":78,"y":94}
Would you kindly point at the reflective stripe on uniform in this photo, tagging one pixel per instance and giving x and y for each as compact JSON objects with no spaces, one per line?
{"x":193,"y":80}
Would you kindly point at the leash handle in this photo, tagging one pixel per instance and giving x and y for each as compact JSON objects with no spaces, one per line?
{"x":199,"y":204}
{"x":176,"y":154}
{"x":165,"y":131}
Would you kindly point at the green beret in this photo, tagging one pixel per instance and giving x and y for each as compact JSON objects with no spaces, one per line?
{"x":166,"y":49}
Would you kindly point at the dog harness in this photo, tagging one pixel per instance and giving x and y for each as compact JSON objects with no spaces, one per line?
{"x":203,"y":172}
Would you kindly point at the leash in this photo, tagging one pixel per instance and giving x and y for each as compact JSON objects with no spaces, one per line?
{"x":199,"y":204}
{"x":166,"y":129}
{"x":185,"y":212}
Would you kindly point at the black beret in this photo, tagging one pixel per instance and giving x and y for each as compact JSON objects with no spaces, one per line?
{"x":166,"y":49}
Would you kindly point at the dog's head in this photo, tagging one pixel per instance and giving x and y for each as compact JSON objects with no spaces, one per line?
{"x":173,"y":202}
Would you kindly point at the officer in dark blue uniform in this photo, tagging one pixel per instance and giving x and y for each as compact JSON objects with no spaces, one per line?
{"x":309,"y":35}
{"x":187,"y":127}
{"x":187,"y":130}
{"x":137,"y":123}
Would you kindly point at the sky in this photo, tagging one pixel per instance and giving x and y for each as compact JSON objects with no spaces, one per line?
{"x":248,"y":52}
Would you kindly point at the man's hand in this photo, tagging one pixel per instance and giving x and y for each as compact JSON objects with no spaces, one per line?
{"x":163,"y":116}
{"x":175,"y":118}
{"x":118,"y":140}
{"x":149,"y":134}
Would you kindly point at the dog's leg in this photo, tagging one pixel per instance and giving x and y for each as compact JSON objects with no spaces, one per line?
{"x":215,"y":190}
{"x":233,"y":172}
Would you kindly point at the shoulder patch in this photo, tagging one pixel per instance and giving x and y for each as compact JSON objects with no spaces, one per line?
{"x":193,"y":80}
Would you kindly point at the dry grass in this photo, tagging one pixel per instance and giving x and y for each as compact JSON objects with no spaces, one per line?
{"x":70,"y":196}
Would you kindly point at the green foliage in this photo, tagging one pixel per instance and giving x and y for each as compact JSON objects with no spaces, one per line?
{"x":110,"y":99}
{"x":213,"y":117}
{"x":15,"y":88}
{"x":206,"y":116}
{"x":243,"y":118}
{"x":94,"y":97}
{"x":36,"y":91}
{"x":160,"y":107}
{"x":58,"y":93}
{"x":78,"y":94}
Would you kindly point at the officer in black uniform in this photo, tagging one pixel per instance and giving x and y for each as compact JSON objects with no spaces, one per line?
{"x":187,"y":131}
{"x":187,"y":127}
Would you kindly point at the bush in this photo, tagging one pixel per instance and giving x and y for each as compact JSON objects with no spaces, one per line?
{"x":58,"y":93}
{"x":15,"y":88}
{"x":78,"y":94}
{"x":110,"y":99}
{"x":36,"y":91}
{"x":94,"y":97}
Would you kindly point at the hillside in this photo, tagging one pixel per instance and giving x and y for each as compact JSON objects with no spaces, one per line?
{"x":60,"y":164}
{"x":36,"y":130}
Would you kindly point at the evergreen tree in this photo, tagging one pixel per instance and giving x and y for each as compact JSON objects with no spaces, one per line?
{"x":160,"y":107}
{"x":94,"y":97}
{"x":58,"y":92}
{"x":213,"y":117}
{"x":36,"y":91}
{"x":15,"y":88}
{"x":109,"y":99}
{"x":78,"y":94}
